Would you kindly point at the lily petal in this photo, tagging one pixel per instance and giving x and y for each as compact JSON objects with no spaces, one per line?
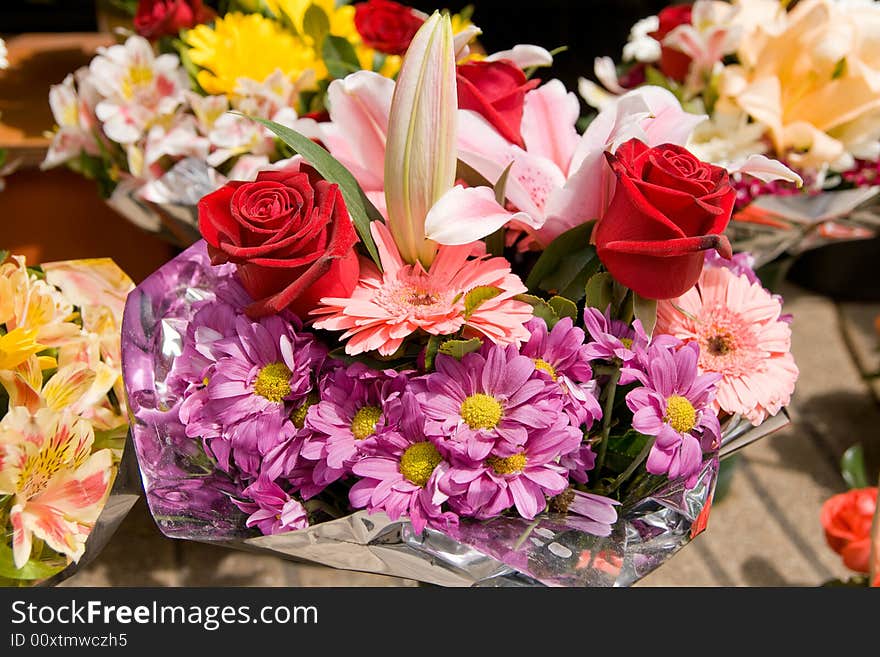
{"x":464,"y":215}
{"x":420,"y":158}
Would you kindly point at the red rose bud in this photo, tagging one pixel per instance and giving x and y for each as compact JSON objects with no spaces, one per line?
{"x":290,"y":235}
{"x":157,"y":18}
{"x":847,"y":519}
{"x":386,"y":26}
{"x":673,"y":63}
{"x":667,"y":209}
{"x":496,"y":91}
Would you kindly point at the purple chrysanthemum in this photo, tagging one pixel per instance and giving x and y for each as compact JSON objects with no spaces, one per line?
{"x":523,"y":479}
{"x":271,"y":509}
{"x":400,"y":477}
{"x":562,"y":355}
{"x":579,"y":462}
{"x":675,"y":405}
{"x":613,"y":340}
{"x":488,"y":401}
{"x":355,"y":407}
{"x":261,"y":374}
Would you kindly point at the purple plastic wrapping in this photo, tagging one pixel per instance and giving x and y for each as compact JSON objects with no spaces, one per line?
{"x":189,"y":500}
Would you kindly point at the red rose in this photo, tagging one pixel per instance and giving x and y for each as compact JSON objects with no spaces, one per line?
{"x":386,"y":26}
{"x":158,"y":18}
{"x":673,"y":63}
{"x":667,"y":209}
{"x":847,"y":519}
{"x":290,"y":235}
{"x":496,"y":91}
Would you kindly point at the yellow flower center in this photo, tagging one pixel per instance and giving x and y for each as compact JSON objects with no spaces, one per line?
{"x":364,"y":423}
{"x":627,"y":342}
{"x":418,"y":462}
{"x":481,"y":411}
{"x":273,"y":382}
{"x":137,"y":77}
{"x":544,"y":366}
{"x":680,"y":414}
{"x":298,"y":417}
{"x":507,"y":465}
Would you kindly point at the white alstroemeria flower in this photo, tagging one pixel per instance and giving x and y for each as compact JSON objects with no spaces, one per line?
{"x":138,"y":89}
{"x":642,"y":47}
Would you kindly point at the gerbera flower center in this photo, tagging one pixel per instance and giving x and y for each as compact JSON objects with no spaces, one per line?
{"x":508,"y":464}
{"x":680,"y":414}
{"x":544,"y":366}
{"x":363,"y":425}
{"x":273,"y":382}
{"x":418,"y":462}
{"x":421,"y":298}
{"x":626,"y":342}
{"x":481,"y":411}
{"x":298,"y":417}
{"x":720,"y":345}
{"x":728,"y":343}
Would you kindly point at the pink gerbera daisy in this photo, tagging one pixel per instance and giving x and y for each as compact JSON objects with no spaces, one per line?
{"x":742,"y":336}
{"x":456,"y":292}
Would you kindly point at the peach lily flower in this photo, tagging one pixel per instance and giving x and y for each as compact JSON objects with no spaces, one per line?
{"x":58,"y":485}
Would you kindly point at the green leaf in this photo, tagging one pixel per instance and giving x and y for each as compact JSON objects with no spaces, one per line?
{"x":431,"y":351}
{"x":564,"y":308}
{"x":458,"y":348}
{"x":362,"y":211}
{"x":339,"y":56}
{"x":645,"y":310}
{"x":566,"y":264}
{"x":600,"y":291}
{"x":34,"y":569}
{"x":477,"y":297}
{"x":852,"y":467}
{"x":540,"y":308}
{"x":316,"y":23}
{"x":4,"y":256}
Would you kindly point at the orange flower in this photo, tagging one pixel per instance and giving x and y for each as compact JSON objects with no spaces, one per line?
{"x":847,"y":520}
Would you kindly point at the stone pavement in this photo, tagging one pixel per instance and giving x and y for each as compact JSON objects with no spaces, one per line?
{"x":765,"y":532}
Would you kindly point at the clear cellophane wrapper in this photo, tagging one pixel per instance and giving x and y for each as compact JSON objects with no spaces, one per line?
{"x":190,"y":500}
{"x":772,"y":225}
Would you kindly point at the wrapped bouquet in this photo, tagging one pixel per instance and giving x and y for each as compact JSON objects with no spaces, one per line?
{"x":150,"y":121}
{"x":64,"y":421}
{"x":795,"y":80}
{"x":463,"y":343}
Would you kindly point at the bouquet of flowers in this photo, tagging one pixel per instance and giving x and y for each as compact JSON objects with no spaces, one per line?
{"x":463,"y":343}
{"x":150,"y":122}
{"x":796,"y":80}
{"x":64,"y":421}
{"x":851,"y":521}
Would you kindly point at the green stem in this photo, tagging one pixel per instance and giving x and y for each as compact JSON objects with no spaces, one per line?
{"x":636,"y":462}
{"x":609,"y":392}
{"x":526,"y":534}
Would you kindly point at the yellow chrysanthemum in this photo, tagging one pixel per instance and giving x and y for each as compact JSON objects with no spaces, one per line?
{"x":341,"y":20}
{"x":247,"y":46}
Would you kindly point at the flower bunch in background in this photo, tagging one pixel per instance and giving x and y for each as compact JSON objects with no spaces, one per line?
{"x":63,"y":419}
{"x":851,"y":521}
{"x":177,"y":88}
{"x":797,"y":83}
{"x":396,"y":332}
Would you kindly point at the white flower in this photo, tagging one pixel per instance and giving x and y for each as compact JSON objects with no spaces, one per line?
{"x":74,"y":115}
{"x":138,"y":88}
{"x":642,"y":47}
